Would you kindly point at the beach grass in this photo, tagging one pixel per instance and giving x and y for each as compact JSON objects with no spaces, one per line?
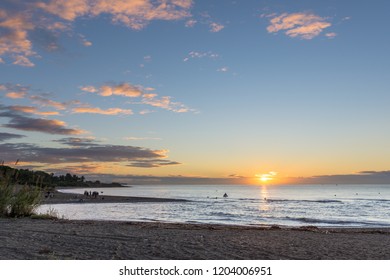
{"x":16,"y":200}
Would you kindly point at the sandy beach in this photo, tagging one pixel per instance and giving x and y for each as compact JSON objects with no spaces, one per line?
{"x":28,"y":238}
{"x":64,"y":239}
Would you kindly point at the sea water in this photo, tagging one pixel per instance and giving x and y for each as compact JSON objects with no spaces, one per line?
{"x":303,"y":205}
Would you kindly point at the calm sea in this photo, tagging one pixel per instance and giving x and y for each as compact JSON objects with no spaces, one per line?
{"x":318,"y":205}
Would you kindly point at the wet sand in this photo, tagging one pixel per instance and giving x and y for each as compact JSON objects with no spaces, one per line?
{"x":64,"y":239}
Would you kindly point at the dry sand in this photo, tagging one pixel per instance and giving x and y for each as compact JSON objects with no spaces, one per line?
{"x":63,"y":239}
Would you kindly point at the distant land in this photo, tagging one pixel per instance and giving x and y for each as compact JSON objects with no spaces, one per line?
{"x":49,"y":180}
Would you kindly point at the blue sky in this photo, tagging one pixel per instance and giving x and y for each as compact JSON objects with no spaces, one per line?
{"x":234,"y":90}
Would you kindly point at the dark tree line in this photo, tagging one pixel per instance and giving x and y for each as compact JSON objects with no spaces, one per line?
{"x":41,"y":178}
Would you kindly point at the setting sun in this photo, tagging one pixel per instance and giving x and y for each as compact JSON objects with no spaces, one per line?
{"x":264,"y":178}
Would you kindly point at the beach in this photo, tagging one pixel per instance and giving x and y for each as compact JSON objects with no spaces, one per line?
{"x":28,"y":238}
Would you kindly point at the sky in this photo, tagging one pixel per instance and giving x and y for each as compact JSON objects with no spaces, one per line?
{"x":197,"y":91}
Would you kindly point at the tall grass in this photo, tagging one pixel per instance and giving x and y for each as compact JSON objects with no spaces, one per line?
{"x":15,"y":200}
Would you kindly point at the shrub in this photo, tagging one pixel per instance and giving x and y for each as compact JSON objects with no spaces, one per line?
{"x":6,"y":193}
{"x":16,"y":201}
{"x":25,"y":201}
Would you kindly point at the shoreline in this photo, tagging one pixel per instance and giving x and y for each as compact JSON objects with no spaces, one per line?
{"x":28,"y":238}
{"x":57,"y":197}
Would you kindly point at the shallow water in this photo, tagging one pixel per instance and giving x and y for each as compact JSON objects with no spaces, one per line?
{"x":318,"y":205}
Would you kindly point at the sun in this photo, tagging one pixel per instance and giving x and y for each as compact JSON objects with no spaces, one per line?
{"x":267,"y":177}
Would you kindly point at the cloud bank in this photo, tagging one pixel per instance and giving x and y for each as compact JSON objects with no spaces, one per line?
{"x":362,"y":177}
{"x":22,"y":22}
{"x":21,"y":121}
{"x":79,"y":150}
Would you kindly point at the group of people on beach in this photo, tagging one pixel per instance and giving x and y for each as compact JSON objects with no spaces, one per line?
{"x":91,"y":194}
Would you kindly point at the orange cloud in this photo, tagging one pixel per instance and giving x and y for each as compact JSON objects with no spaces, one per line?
{"x":124,"y":89}
{"x":110,"y":111}
{"x":165,"y":103}
{"x":134,"y":14}
{"x":66,"y":9}
{"x":33,"y":110}
{"x":301,"y":25}
{"x":16,"y":95}
{"x":14,"y":41}
{"x":89,"y":89}
{"x":132,"y":91}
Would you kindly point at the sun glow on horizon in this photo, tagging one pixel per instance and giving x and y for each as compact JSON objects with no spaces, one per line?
{"x":266,"y":177}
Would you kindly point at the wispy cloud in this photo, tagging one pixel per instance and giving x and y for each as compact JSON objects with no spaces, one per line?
{"x":216,"y":27}
{"x":197,"y":54}
{"x":140,"y":138}
{"x":207,"y":19}
{"x":91,"y":89}
{"x":17,"y":91}
{"x":33,"y":110}
{"x":148,"y":58}
{"x":46,"y":102}
{"x":22,"y":60}
{"x":145,"y":95}
{"x":223,"y":69}
{"x":165,"y":102}
{"x":84,"y":41}
{"x":77,"y":141}
{"x":191,"y":23}
{"x":302,"y":25}
{"x":110,"y":111}
{"x":331,"y":35}
{"x":14,"y":91}
{"x":145,"y":112}
{"x":152,"y":163}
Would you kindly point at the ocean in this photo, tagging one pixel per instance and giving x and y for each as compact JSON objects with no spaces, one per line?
{"x":298,"y":205}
